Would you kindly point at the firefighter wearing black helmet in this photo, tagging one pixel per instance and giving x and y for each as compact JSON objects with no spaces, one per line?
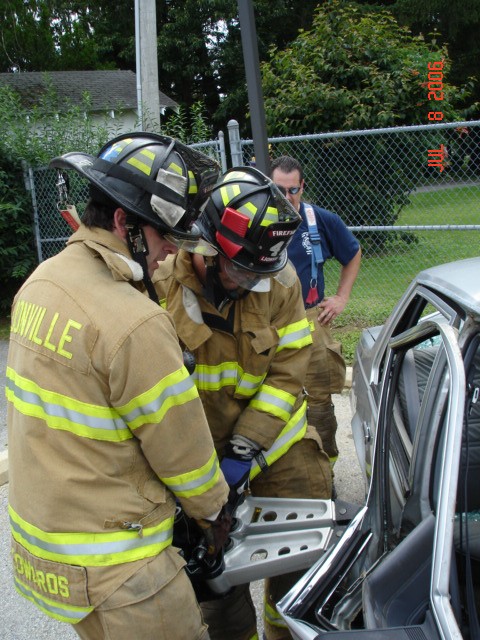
{"x":105,"y":433}
{"x":241,"y":314}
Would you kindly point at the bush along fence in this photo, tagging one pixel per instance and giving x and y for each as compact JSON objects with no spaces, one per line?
{"x":410,"y":194}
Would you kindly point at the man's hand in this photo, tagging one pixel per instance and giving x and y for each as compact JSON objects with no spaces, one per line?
{"x":330,"y":308}
{"x":216,"y":532}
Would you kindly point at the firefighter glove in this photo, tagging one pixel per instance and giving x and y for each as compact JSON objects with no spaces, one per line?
{"x":216,"y":532}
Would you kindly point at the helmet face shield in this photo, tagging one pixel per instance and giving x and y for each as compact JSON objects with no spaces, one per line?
{"x":247,"y":279}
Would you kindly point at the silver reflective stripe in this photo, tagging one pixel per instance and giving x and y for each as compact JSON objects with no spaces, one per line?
{"x":202,"y":377}
{"x":73,"y":614}
{"x":294,"y":337}
{"x":193,"y":484}
{"x":156,"y":404}
{"x":53,"y":410}
{"x":90,"y":548}
{"x":250,"y":386}
{"x":269,"y":398}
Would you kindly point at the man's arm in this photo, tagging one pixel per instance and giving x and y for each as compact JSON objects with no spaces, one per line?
{"x":331,"y":307}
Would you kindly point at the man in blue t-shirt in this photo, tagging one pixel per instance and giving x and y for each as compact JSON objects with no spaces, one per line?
{"x":326,"y":372}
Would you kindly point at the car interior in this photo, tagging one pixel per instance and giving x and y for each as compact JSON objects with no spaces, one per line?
{"x":397,"y":592}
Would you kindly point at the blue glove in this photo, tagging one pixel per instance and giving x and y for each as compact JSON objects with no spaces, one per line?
{"x":236,"y":472}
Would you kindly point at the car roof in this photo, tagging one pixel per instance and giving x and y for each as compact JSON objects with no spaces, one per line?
{"x":458,"y":280}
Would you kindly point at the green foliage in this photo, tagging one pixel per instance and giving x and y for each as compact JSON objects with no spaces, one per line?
{"x":455,"y":23}
{"x":358,"y":69}
{"x":355,"y":69}
{"x":33,"y":137}
{"x":61,"y":35}
{"x":17,"y":254}
{"x":189,"y":126}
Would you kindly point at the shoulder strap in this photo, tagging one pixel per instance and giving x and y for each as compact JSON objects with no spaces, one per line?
{"x":313,"y":234}
{"x":317,"y":255}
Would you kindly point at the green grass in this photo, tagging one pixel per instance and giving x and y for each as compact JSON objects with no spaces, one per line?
{"x":383,"y":278}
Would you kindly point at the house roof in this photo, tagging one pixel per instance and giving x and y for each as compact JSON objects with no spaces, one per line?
{"x":107,"y":89}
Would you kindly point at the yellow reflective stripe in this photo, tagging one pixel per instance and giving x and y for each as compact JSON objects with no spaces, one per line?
{"x":192,"y":183}
{"x":292,"y":432}
{"x":274,"y":401}
{"x":294,"y":336}
{"x":249,"y":209}
{"x":271,"y":216}
{"x":92,"y":549}
{"x":151,"y":406}
{"x":229,"y":192}
{"x":235,"y":175}
{"x":118,"y":147}
{"x":196,"y":482}
{"x":249,"y":384}
{"x":63,"y":412}
{"x":175,"y":168}
{"x":272,"y":616}
{"x":141,"y":163}
{"x":57,"y":610}
{"x":214,"y":377}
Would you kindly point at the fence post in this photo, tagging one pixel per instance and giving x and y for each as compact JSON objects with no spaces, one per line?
{"x":30,"y":185}
{"x":223,"y":154}
{"x":235,"y":146}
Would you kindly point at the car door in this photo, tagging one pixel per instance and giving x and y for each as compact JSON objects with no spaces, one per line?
{"x":417,"y":305}
{"x":379,"y":575}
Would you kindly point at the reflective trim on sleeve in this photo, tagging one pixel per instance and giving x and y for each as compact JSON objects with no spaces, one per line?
{"x":274,"y":401}
{"x":292,"y":432}
{"x":197,"y":482}
{"x":64,"y":613}
{"x":294,"y":336}
{"x":63,"y":412}
{"x":215,"y":377}
{"x":249,"y":384}
{"x":92,"y":549}
{"x":151,"y":406}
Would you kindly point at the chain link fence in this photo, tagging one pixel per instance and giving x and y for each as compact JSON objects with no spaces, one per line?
{"x":410,"y":194}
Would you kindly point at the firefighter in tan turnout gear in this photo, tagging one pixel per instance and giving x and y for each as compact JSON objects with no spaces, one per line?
{"x":105,"y":427}
{"x":241,"y":315}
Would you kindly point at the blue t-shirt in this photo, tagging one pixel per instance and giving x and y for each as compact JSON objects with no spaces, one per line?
{"x":336,"y":242}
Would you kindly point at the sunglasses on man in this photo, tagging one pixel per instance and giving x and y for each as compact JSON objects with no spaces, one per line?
{"x":291,"y":190}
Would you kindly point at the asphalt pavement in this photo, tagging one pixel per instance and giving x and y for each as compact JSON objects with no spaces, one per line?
{"x":21,"y":620}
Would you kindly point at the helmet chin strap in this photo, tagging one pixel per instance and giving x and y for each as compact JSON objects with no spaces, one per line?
{"x":138,"y":247}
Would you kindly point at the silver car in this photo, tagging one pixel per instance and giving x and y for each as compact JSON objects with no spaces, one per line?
{"x":408,"y":565}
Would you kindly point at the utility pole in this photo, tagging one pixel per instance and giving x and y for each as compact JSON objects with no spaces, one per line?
{"x":148,"y":99}
{"x":254,"y":84}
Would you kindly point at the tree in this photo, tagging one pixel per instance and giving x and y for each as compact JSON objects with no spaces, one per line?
{"x":452,"y":22}
{"x":355,"y":69}
{"x":358,"y":69}
{"x":61,"y":35}
{"x":199,"y":47}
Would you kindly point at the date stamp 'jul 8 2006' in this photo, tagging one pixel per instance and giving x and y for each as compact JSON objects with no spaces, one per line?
{"x":436,"y":157}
